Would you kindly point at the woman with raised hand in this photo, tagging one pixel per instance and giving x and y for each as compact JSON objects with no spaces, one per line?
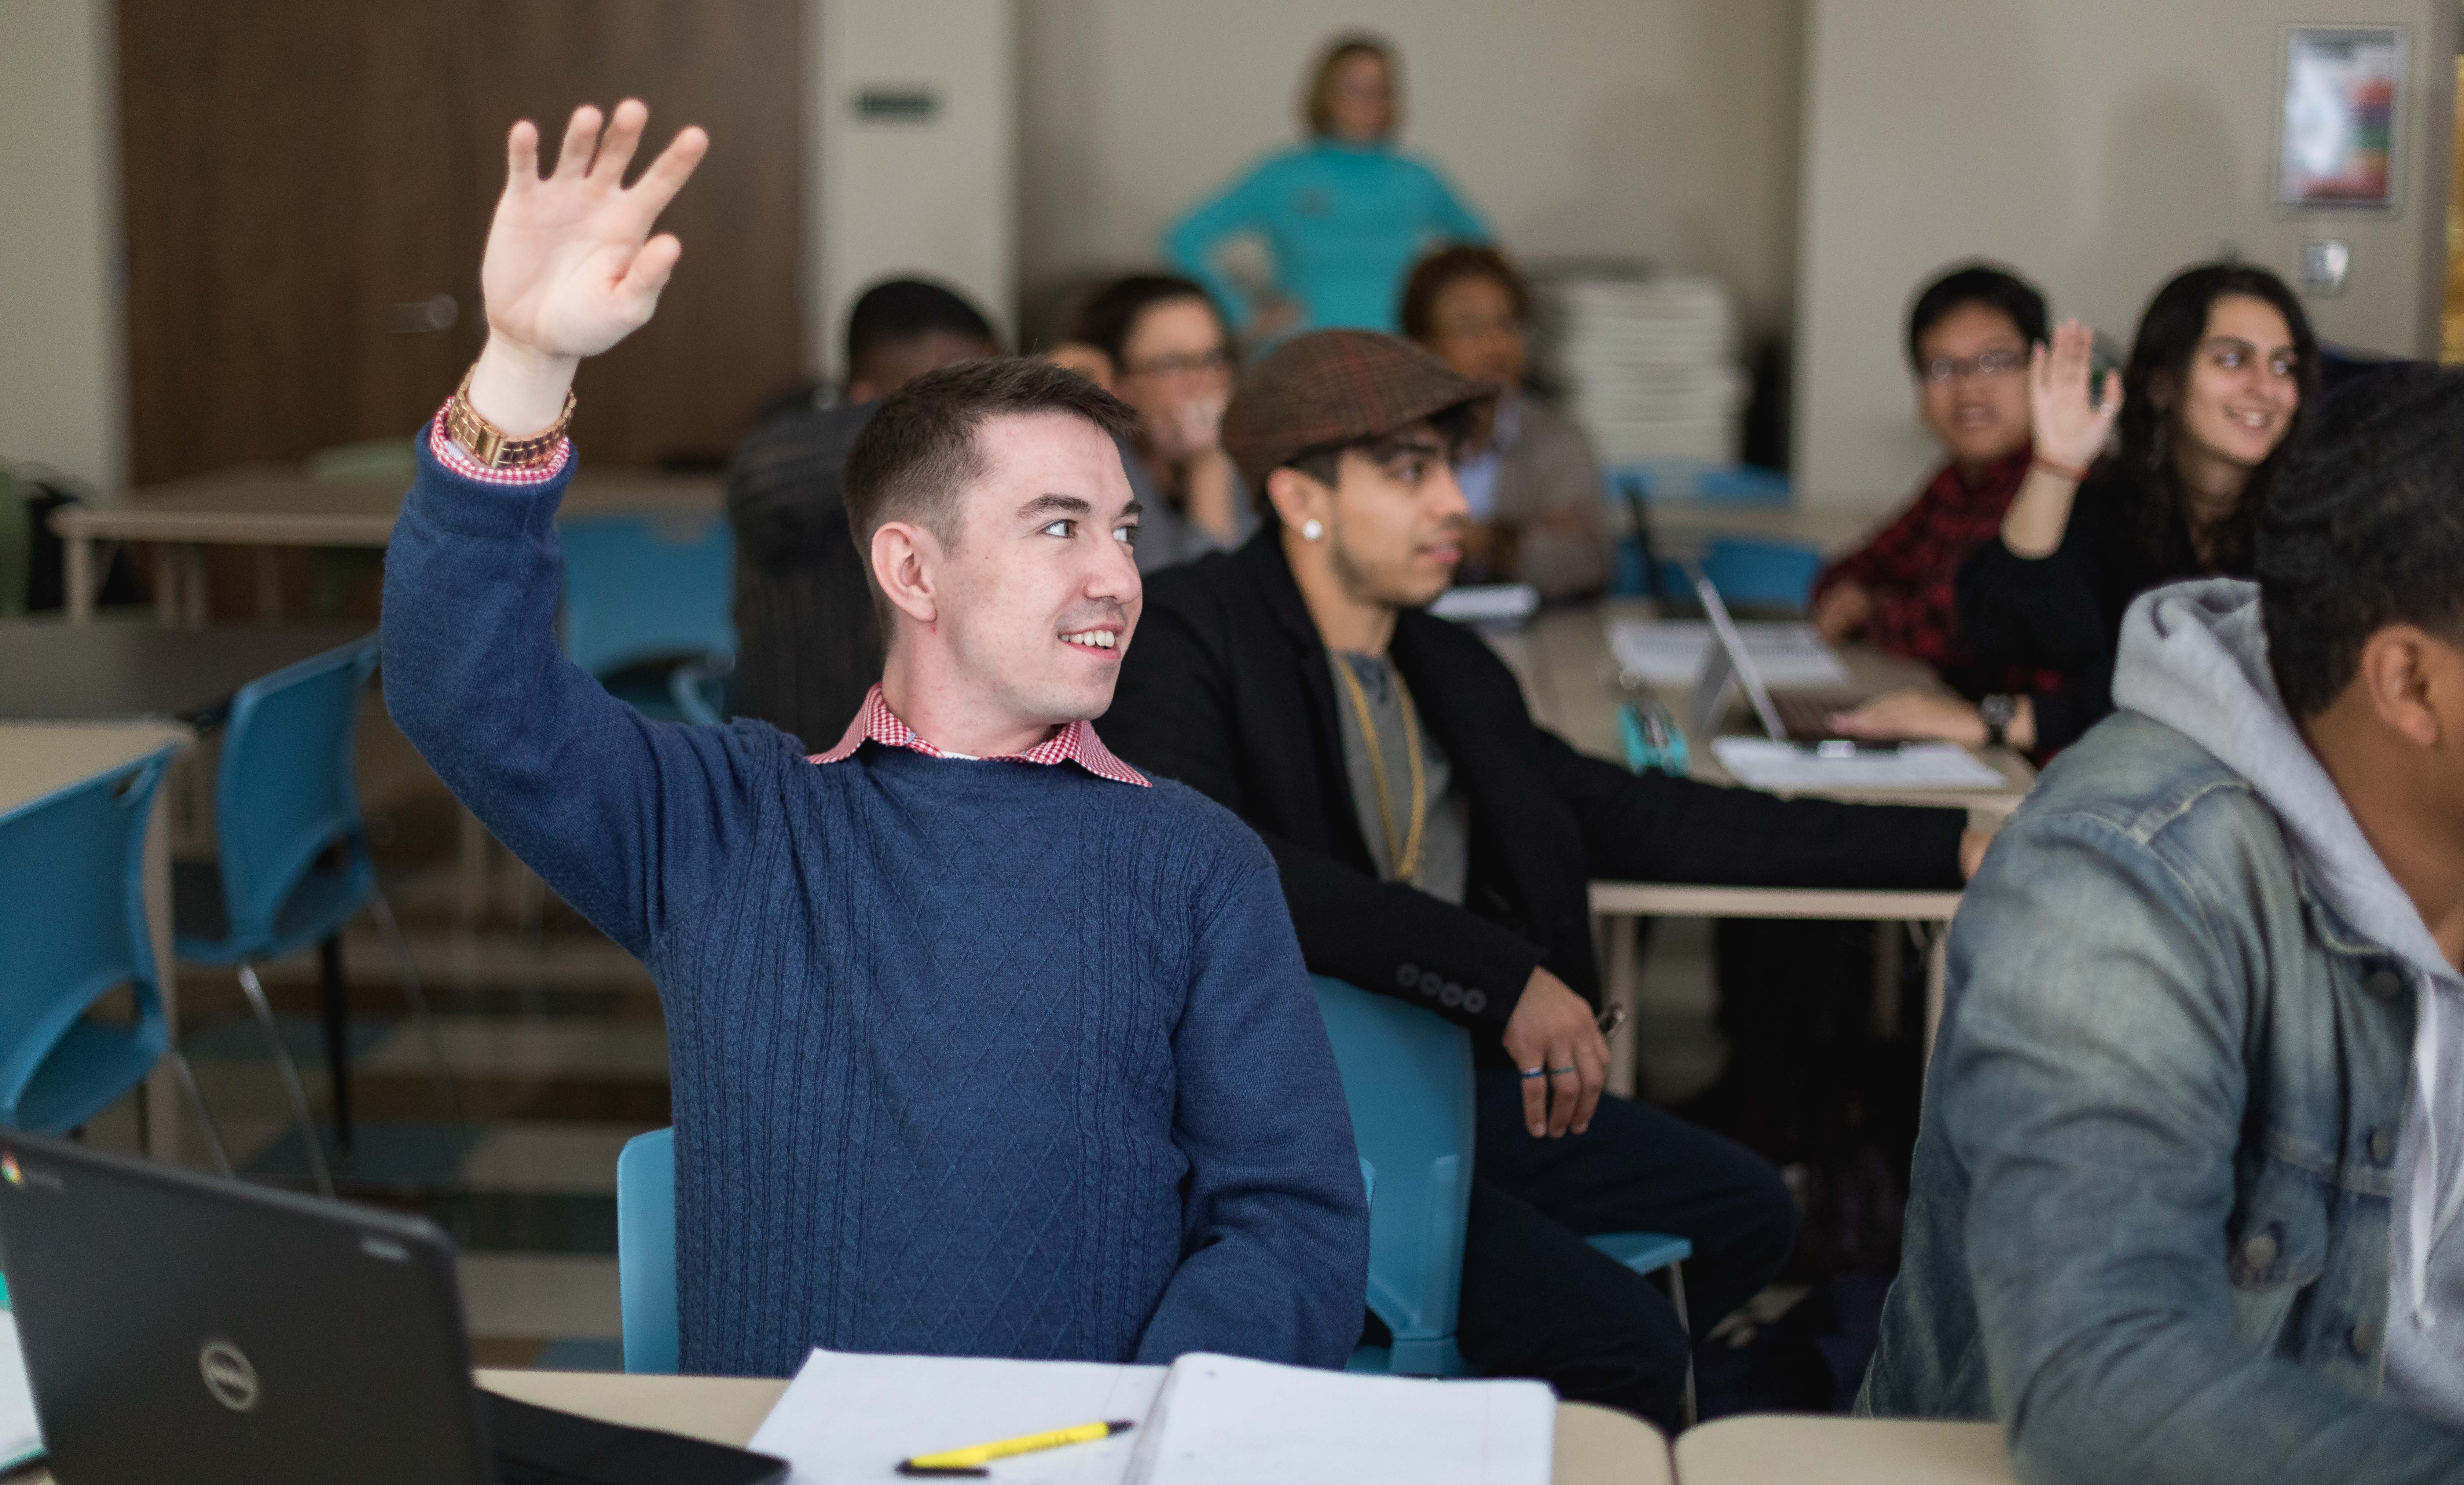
{"x":2220,"y":373}
{"x":1343,"y":216}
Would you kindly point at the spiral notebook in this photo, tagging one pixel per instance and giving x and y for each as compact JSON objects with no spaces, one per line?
{"x":851,"y":1418}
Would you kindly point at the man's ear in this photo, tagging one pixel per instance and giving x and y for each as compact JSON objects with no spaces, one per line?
{"x":1298,"y":498}
{"x":2415,"y":681}
{"x":906,"y":562}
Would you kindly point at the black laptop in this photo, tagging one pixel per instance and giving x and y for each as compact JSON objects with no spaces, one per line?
{"x":182,"y":1328}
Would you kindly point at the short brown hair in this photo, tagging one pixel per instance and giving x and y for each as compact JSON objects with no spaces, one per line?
{"x":1317,"y":104}
{"x":1432,"y":274}
{"x":918,"y":452}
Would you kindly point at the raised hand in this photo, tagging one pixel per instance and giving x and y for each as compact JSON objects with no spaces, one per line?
{"x":2072,"y":417}
{"x":571,"y":267}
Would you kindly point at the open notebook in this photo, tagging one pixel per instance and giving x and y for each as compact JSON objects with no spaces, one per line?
{"x":849,"y":1417}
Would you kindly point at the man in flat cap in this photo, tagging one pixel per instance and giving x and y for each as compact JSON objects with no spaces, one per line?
{"x":1436,"y":844}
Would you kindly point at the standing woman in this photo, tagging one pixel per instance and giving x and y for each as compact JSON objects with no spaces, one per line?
{"x":1343,"y":216}
{"x":2221,"y":370}
{"x":1172,"y":361}
{"x":1528,"y":474}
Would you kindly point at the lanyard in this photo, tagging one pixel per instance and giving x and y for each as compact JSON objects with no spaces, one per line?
{"x":1404,"y":853}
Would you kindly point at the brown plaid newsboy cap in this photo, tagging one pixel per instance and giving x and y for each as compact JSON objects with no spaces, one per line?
{"x":1332,"y":387}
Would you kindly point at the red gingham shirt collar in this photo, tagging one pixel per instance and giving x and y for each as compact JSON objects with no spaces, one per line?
{"x":1074,"y":744}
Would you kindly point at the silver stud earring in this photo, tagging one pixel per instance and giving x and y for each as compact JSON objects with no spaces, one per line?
{"x":1310,"y":530}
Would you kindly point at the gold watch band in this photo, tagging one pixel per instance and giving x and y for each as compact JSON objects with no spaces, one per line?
{"x":488,"y":444}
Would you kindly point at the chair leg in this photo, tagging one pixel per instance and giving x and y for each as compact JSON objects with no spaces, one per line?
{"x":205,"y":1115}
{"x":291,"y":1084}
{"x":334,"y":1002}
{"x":1677,"y":1298}
{"x":439,"y":1069}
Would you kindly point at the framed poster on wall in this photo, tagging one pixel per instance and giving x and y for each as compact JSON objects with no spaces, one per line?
{"x":2340,"y":125}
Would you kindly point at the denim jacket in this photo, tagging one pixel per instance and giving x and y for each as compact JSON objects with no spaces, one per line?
{"x":2149,"y":1226}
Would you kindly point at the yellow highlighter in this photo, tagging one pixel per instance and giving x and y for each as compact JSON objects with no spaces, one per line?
{"x":972,"y":1461}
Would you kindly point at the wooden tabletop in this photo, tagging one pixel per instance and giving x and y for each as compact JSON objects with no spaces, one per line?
{"x":1595,"y":1445}
{"x":39,"y":757}
{"x":277,"y":506}
{"x":124,"y":669}
{"x":1769,"y":1449}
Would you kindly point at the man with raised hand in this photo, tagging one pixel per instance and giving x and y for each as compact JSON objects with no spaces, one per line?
{"x":981,"y":1042}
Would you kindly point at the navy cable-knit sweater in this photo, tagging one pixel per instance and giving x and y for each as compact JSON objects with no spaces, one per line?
{"x":982,"y":1058}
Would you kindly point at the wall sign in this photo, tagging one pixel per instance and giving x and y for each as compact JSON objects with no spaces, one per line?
{"x":2340,"y":126}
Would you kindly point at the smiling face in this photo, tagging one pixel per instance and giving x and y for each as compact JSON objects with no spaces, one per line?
{"x":1972,"y":384}
{"x":1176,"y":371}
{"x":1474,"y":330}
{"x":1037,"y":600}
{"x":2243,"y":387}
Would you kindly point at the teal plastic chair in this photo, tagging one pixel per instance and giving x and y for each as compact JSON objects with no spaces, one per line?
{"x":1407,"y":1079}
{"x":73,"y":918}
{"x":1754,"y":573}
{"x":646,"y":1251}
{"x":291,"y":864}
{"x":647,"y":590}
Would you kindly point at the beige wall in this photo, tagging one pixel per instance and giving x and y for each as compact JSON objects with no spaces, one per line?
{"x":60,"y":380}
{"x":2098,"y":144}
{"x":1661,"y":127}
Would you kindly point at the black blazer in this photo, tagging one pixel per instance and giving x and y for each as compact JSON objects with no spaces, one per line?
{"x":1225,"y":688}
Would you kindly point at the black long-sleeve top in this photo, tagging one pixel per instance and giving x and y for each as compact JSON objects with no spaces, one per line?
{"x":2060,"y":615}
{"x":1225,"y":688}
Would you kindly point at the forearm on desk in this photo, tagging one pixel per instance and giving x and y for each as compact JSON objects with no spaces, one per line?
{"x":1275,"y":1248}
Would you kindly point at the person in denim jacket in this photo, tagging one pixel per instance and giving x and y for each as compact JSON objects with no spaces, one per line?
{"x":2185,"y":1197}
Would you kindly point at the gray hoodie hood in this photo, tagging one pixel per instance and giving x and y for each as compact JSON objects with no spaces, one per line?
{"x":2194,"y":657}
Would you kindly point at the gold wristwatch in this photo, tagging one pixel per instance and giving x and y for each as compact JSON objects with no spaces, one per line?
{"x":487,"y":443}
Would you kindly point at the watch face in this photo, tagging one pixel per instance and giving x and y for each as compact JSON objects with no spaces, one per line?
{"x":1997,"y":710}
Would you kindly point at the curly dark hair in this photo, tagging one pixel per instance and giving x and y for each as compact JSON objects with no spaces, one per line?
{"x":2363,"y":528}
{"x":2169,"y":336}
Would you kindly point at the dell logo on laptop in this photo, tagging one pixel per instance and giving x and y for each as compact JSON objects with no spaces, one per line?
{"x":228,"y":1375}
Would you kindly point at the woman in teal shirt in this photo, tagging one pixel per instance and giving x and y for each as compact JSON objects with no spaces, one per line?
{"x":1344,"y":215}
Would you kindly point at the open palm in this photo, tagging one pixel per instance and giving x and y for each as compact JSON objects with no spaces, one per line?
{"x":571,"y":267}
{"x":2072,"y":416}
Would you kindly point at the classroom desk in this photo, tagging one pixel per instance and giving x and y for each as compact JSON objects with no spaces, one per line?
{"x":1570,"y":677}
{"x":39,"y":757}
{"x":131,"y":669}
{"x":1595,"y":1445}
{"x":1769,"y":1448}
{"x":275,"y":506}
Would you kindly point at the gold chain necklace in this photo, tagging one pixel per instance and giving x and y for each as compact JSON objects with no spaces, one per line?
{"x":1405,"y":853}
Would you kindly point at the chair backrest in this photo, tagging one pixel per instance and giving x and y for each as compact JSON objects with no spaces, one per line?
{"x":1754,"y":573}
{"x":1407,"y":1079}
{"x":646,"y":587}
{"x":287,"y":789}
{"x":72,"y":915}
{"x":646,"y":1250}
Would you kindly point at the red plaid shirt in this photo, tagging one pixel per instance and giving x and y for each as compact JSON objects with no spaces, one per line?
{"x":1912,"y":566}
{"x":1074,"y":744}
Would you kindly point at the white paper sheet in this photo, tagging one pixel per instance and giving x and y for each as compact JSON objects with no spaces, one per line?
{"x":849,"y":1417}
{"x":1760,"y":764}
{"x":1223,"y":1420}
{"x":1671,"y":652}
{"x":1487,"y":602}
{"x":21,"y":1437}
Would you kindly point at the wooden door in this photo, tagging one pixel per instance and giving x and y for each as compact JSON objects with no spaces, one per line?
{"x":307,"y":190}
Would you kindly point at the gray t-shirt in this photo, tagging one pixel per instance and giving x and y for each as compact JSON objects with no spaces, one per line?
{"x":1445,"y":832}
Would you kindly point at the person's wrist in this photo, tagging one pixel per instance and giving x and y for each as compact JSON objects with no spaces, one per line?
{"x":520,"y":388}
{"x":2072,"y":471}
